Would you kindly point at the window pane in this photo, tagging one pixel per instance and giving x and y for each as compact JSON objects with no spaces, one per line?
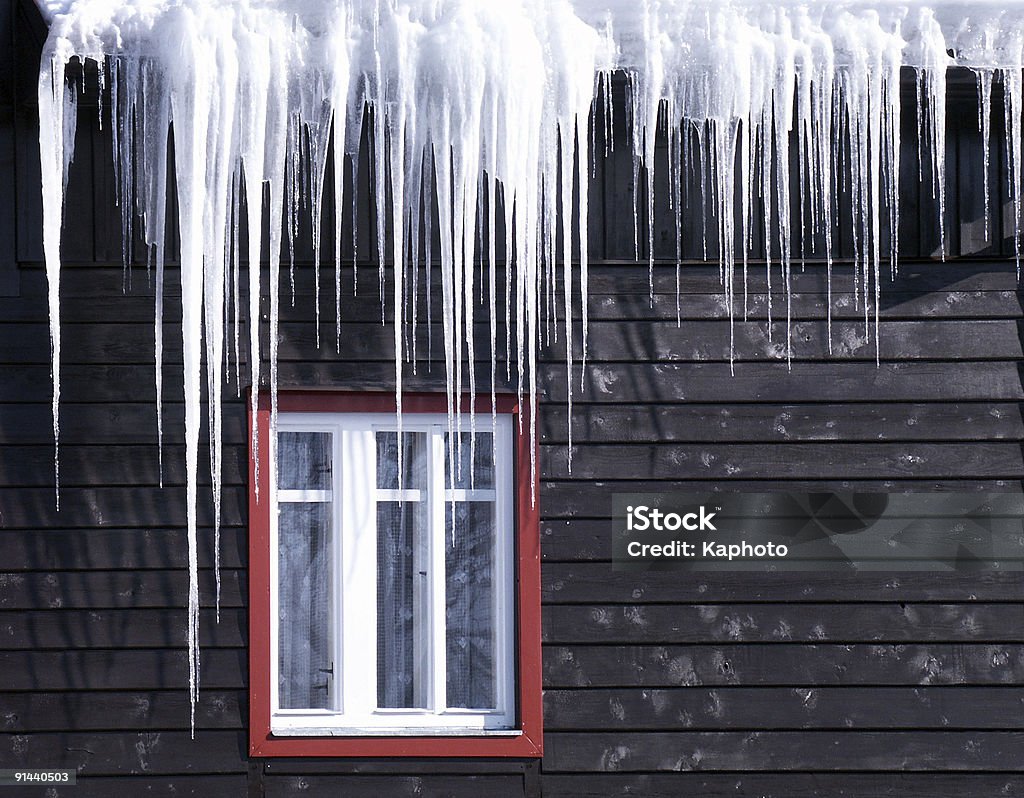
{"x":304,"y":532}
{"x":469,"y":611}
{"x":414,"y":460}
{"x":402,"y":604}
{"x":481,"y":456}
{"x":304,"y":460}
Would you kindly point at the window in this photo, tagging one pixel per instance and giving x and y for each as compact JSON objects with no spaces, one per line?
{"x":394,"y":582}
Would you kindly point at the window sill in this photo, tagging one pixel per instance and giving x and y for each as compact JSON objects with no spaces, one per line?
{"x":384,"y":732}
{"x":378,"y":744}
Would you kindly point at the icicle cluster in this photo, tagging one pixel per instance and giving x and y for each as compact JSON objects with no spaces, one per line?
{"x":477,"y":114}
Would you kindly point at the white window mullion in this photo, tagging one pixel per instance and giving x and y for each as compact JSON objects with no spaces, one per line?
{"x":465,"y":495}
{"x":398,"y":495}
{"x":304,"y":496}
{"x":439,"y":648}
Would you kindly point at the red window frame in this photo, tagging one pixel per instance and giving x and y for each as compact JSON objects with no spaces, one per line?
{"x":529,"y":743}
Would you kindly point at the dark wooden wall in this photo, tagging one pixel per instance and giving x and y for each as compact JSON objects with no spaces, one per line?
{"x":657,"y":684}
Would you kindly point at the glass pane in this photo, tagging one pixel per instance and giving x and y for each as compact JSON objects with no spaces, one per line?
{"x":481,"y":456}
{"x":304,"y":532}
{"x":414,"y":460}
{"x":402,"y":605}
{"x":304,"y":460}
{"x":469,"y":599}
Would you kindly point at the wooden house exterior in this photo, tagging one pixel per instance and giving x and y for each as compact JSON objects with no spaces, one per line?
{"x":655,"y":683}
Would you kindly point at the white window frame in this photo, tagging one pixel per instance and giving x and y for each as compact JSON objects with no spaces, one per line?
{"x":353,"y":598}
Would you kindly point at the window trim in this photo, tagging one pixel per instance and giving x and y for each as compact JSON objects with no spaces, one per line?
{"x":523,"y":741}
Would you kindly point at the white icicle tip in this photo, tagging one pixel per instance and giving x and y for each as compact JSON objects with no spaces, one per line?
{"x":471,"y":96}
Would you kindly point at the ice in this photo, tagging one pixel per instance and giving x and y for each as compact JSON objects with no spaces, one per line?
{"x":57,"y":119}
{"x":777,"y":116}
{"x":985,"y":77}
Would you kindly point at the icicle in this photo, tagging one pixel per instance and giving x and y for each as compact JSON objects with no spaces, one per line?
{"x":1012,"y":108}
{"x":984,"y":77}
{"x":235,"y":265}
{"x":57,"y":118}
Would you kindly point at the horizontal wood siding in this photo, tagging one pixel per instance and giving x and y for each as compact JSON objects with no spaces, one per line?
{"x":757,"y":674}
{"x":657,"y":683}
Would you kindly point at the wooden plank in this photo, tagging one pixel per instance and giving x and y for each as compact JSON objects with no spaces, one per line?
{"x":794,"y":750}
{"x":135,"y":307}
{"x":532,"y":786}
{"x":210,"y":785}
{"x":789,"y":785}
{"x":628,"y":276}
{"x":592,"y":422}
{"x":110,"y":343}
{"x":786,"y":461}
{"x":773,"y":382}
{"x":592,"y":583}
{"x":703,"y":623}
{"x":113,"y":507}
{"x":613,"y":276}
{"x":122,"y":423}
{"x":576,"y":539}
{"x":977,"y":224}
{"x":842,"y":208}
{"x":736,"y":708}
{"x":910,"y":184}
{"x":929,"y":240}
{"x":953,"y":177}
{"x":134,"y":383}
{"x":8,"y":161}
{"x":95,"y":590}
{"x":254,"y":784}
{"x":359,"y":786}
{"x":572,"y":539}
{"x":595,"y":182}
{"x":106,"y":221}
{"x":138,"y":669}
{"x":139,"y":710}
{"x":618,"y":212}
{"x":774,"y":423}
{"x":663,"y":341}
{"x":142,"y":753}
{"x":617,"y":383}
{"x":777,"y":665}
{"x":626,"y":280}
{"x":101,"y":549}
{"x":1002,"y":202}
{"x":118,"y":628}
{"x":895,"y":305}
{"x":569,"y":499}
{"x":710,"y":341}
{"x":108,"y":465}
{"x":93,"y":383}
{"x":77,"y":239}
{"x":28,"y":189}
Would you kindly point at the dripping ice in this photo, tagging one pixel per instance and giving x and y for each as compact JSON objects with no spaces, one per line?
{"x":480,"y":115}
